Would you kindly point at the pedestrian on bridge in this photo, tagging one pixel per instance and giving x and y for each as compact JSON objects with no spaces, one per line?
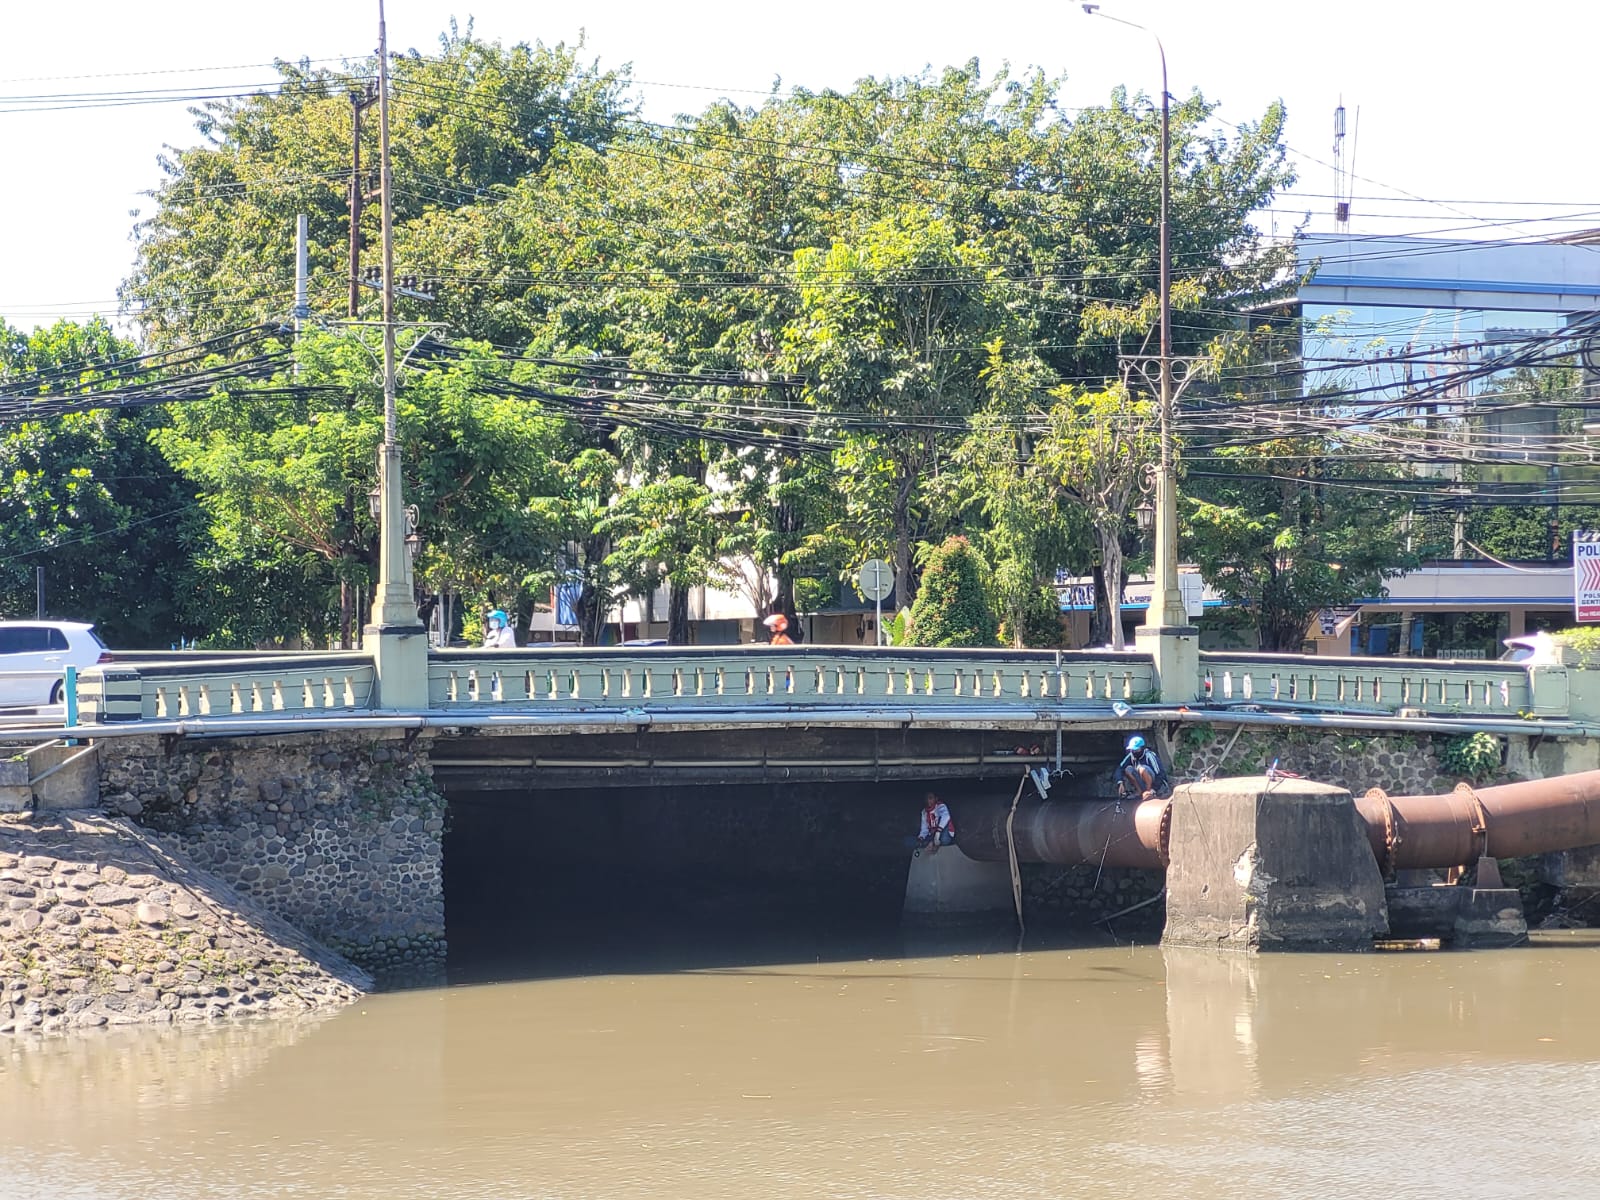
{"x":779,"y":624}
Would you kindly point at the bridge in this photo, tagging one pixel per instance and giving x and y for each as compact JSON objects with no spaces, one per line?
{"x":360,"y":808}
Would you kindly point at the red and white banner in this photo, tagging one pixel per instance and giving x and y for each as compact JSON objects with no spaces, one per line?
{"x":1586,"y":575}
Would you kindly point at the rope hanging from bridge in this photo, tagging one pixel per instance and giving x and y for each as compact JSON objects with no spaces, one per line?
{"x":1011,"y":851}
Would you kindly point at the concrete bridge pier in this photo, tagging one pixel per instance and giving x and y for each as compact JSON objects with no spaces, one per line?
{"x":1262,"y":864}
{"x":949,"y":883}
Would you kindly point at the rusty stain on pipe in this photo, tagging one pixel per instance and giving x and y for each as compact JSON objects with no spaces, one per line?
{"x":1455,"y":828}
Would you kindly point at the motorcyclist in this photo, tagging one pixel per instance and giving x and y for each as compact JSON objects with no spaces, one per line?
{"x":498,"y":635}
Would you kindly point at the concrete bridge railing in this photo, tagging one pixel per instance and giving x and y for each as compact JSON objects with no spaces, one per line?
{"x":745,"y":676}
{"x":256,"y":685}
{"x":553,"y":679}
{"x":1382,"y":685}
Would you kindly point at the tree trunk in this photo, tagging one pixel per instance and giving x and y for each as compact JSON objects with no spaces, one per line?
{"x":904,"y":593}
{"x":1099,"y":627}
{"x":677,"y":615}
{"x":347,"y":608}
{"x":1111,"y":562}
{"x":1282,"y":632}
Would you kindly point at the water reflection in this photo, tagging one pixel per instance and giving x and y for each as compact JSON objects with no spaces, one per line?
{"x":961,"y":1070}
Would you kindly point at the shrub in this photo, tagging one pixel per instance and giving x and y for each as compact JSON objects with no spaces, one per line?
{"x":1583,"y":645}
{"x":952,"y":605}
{"x":1473,"y":755}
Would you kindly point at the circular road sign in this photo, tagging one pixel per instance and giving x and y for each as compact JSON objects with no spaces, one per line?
{"x":875,"y":580}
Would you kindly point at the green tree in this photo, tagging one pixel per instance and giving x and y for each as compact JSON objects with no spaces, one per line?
{"x":1288,"y":526}
{"x":952,"y":605}
{"x":893,"y":332}
{"x":87,"y":498}
{"x":218,"y":251}
{"x":1096,"y":447}
{"x":283,"y":470}
{"x":666,"y":532}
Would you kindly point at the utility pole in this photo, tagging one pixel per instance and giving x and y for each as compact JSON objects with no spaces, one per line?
{"x":302,"y":259}
{"x":359,"y":103}
{"x":1166,"y":633}
{"x":395,"y":637}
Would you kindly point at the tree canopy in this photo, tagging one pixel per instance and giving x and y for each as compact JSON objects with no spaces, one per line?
{"x":789,"y":335}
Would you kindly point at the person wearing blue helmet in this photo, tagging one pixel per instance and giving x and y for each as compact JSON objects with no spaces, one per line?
{"x":498,"y":634}
{"x":1139,"y":773}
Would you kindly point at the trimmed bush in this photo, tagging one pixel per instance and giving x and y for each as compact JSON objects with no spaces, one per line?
{"x":952,"y":605}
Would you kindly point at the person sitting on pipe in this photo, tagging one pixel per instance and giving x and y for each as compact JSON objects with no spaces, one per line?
{"x":1139,"y":773}
{"x":936,"y":829}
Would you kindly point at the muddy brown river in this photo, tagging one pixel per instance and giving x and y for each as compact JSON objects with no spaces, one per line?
{"x":942,"y":1067}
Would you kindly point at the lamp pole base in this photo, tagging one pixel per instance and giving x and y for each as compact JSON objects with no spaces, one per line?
{"x":1175,"y":650}
{"x":400,"y":662}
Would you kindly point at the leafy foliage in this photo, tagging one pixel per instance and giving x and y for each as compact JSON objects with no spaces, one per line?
{"x":952,"y":606}
{"x":88,"y":499}
{"x":898,"y":279}
{"x":1270,"y":533}
{"x":1582,"y":646}
{"x":1471,"y":756}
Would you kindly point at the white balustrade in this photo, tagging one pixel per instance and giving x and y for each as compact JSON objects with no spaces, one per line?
{"x":1439,"y":687}
{"x":754,"y":676}
{"x":254,"y":687}
{"x":542,"y":679}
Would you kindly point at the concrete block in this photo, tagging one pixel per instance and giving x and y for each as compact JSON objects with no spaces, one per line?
{"x":1258,"y":864}
{"x":1490,"y":917}
{"x":1571,"y":868}
{"x":65,"y":777}
{"x":949,"y":882}
{"x":1424,"y":911}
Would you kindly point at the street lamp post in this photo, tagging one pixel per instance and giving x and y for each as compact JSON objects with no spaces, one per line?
{"x":395,"y":635}
{"x":1166,"y":631}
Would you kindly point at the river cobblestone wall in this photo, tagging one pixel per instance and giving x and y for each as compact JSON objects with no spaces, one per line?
{"x":1401,"y":764}
{"x":341,"y":835}
{"x":102,"y":924}
{"x":1121,"y":900}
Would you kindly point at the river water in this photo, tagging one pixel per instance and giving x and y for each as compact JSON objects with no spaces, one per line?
{"x":927,"y":1066}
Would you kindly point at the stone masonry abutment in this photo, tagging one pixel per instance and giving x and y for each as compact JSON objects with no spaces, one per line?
{"x":339,"y":834}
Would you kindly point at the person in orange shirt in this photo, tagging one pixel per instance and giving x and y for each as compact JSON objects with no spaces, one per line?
{"x":779,"y":625}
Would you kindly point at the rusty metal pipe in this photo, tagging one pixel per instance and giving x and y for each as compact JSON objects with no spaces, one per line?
{"x":1116,"y":835}
{"x":1456,"y":828}
{"x":1540,"y":816}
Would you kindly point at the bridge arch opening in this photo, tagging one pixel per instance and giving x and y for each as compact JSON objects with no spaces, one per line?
{"x":599,"y":854}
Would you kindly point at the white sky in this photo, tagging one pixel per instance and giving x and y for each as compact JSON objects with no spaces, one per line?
{"x":1464,"y":102}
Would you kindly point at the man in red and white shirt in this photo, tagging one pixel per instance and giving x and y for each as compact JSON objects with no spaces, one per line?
{"x":936,"y":829}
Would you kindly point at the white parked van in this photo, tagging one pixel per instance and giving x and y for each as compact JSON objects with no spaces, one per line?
{"x":33,"y":655}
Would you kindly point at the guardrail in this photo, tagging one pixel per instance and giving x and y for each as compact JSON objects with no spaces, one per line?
{"x":1372,"y":684}
{"x":599,"y":678}
{"x":281,"y":685}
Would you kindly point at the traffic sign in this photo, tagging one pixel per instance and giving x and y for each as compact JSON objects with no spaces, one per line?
{"x":875,"y":580}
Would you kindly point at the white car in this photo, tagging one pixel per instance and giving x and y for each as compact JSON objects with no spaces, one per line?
{"x":33,"y":655}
